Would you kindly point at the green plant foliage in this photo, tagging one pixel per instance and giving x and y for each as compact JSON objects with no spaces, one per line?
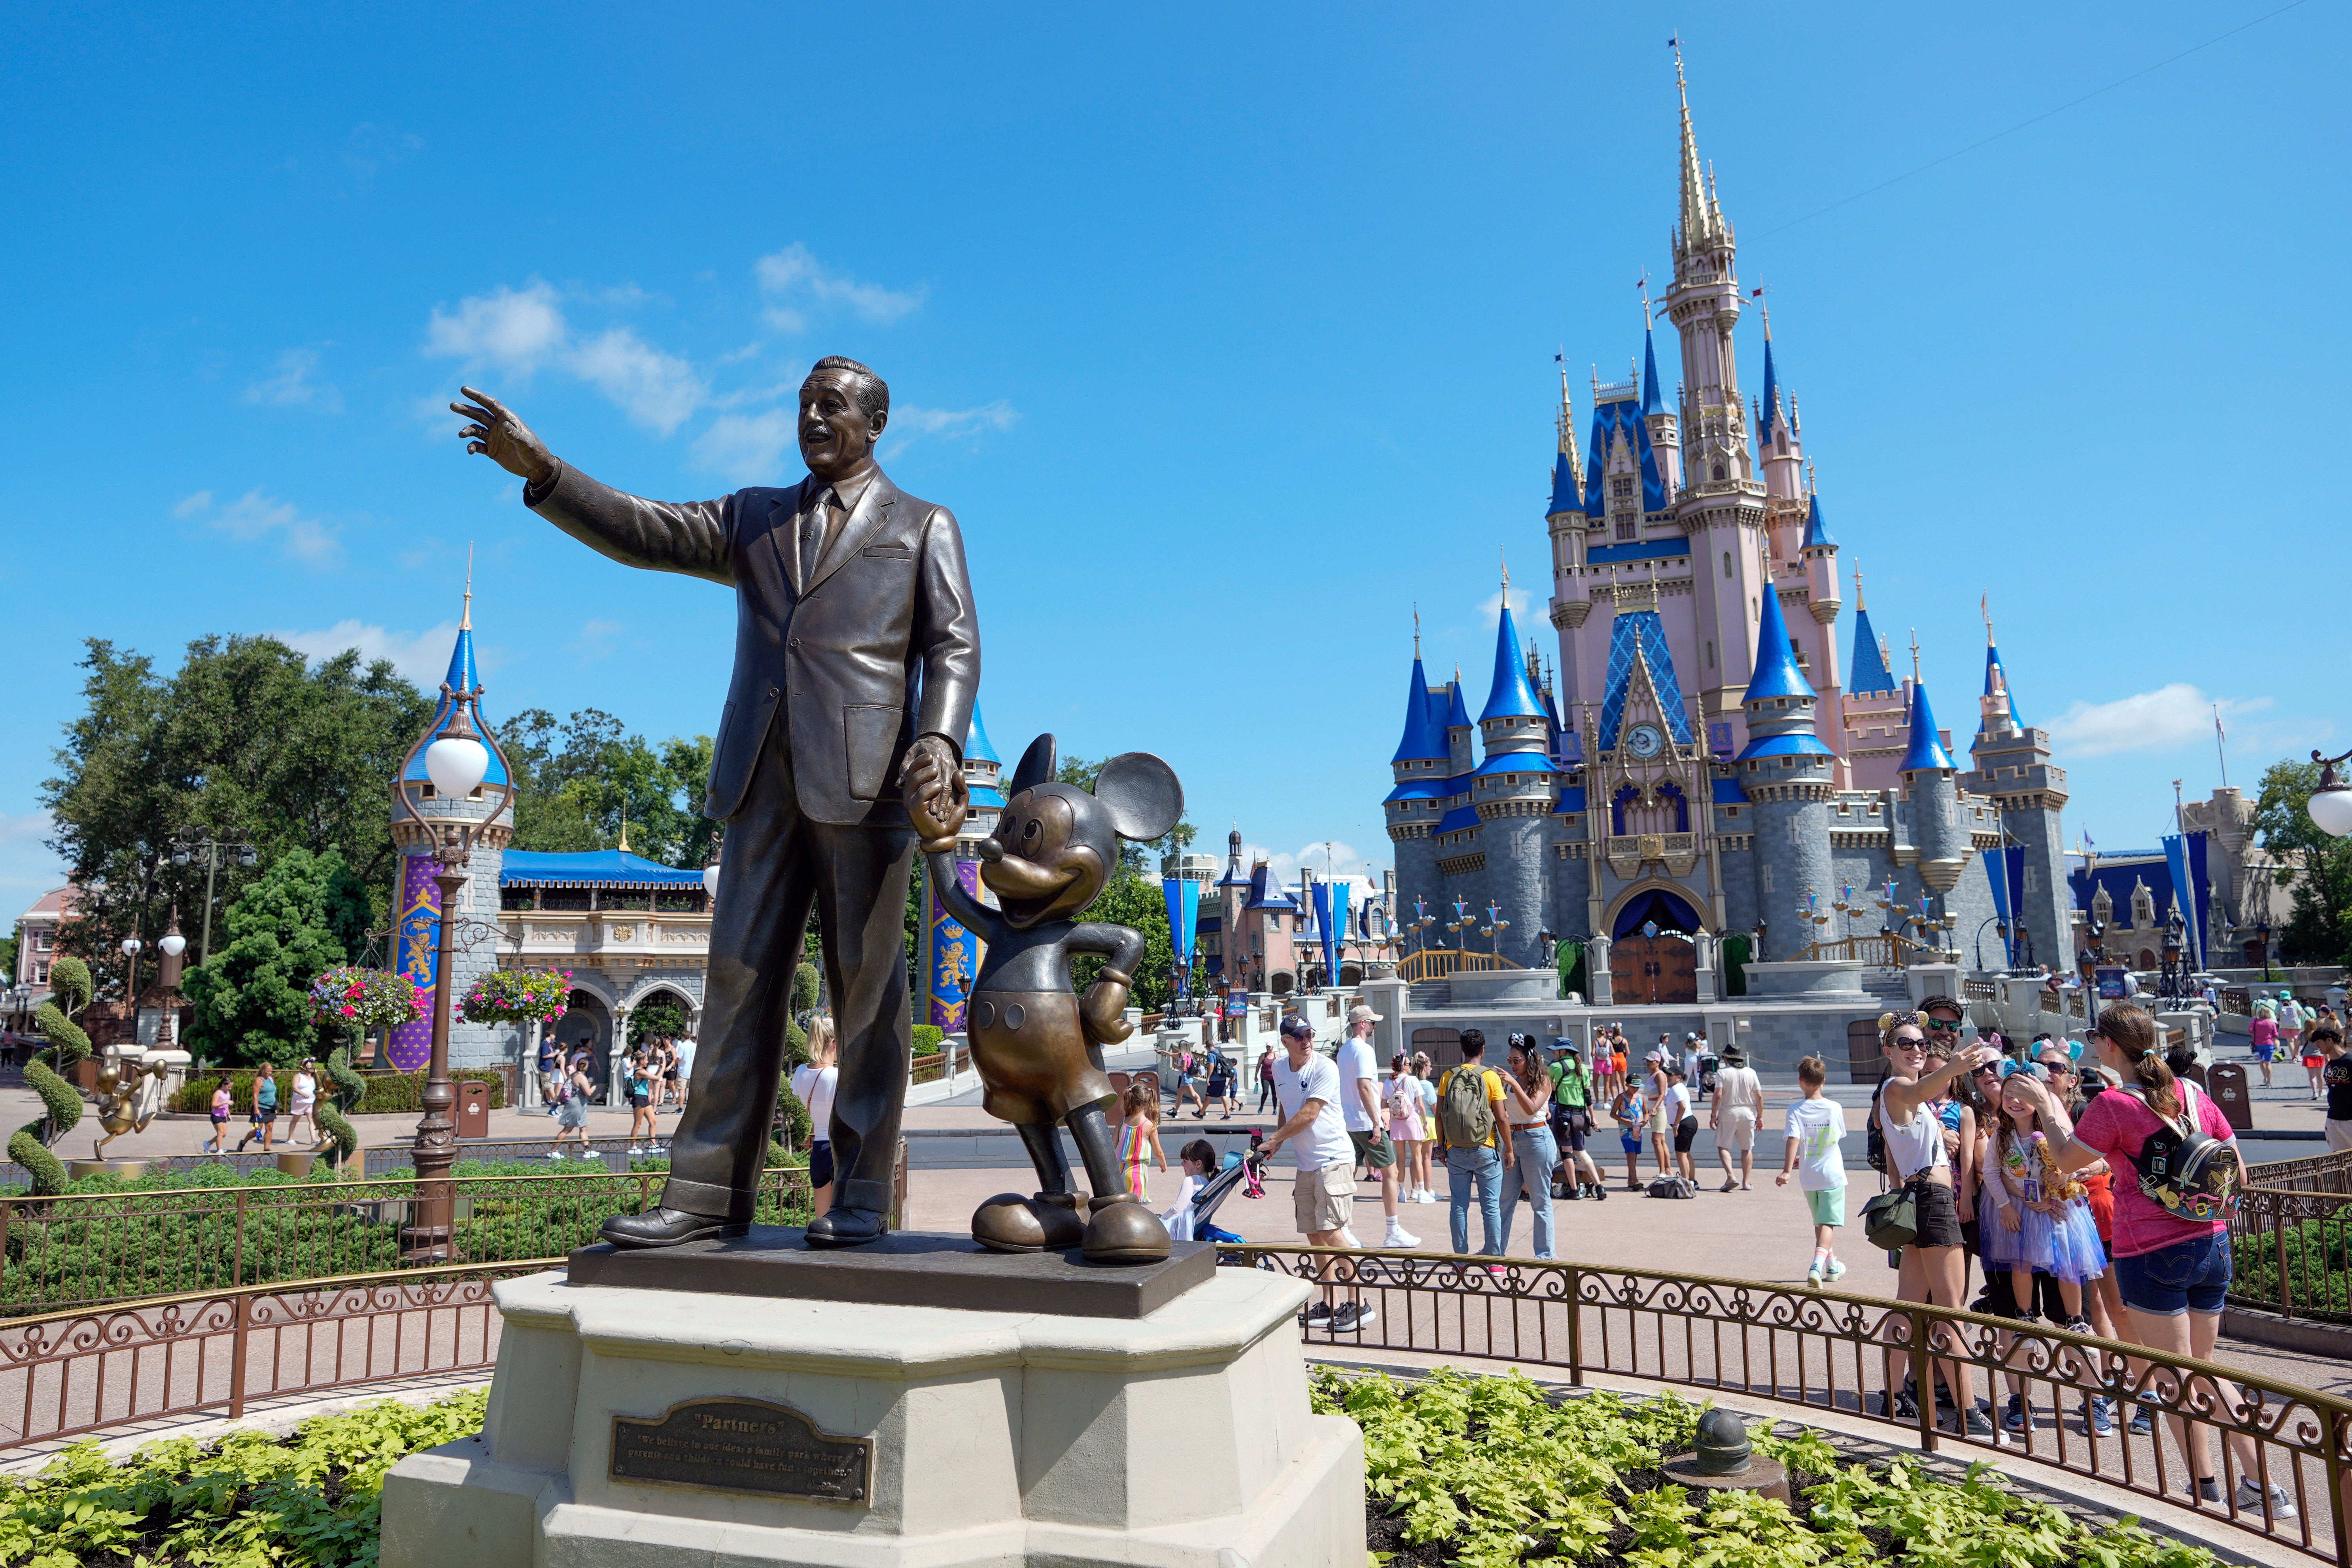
{"x":797,"y":1127}
{"x":929,"y":1037}
{"x":2317,"y":1254}
{"x":342,"y":1090}
{"x":806,"y":983}
{"x":312,"y":1500}
{"x":578,"y":778}
{"x":1134,"y":900}
{"x":1487,"y":1472}
{"x":662,"y":1020}
{"x":380,"y":1093}
{"x":69,"y":982}
{"x":2319,"y":929}
{"x":253,"y":1001}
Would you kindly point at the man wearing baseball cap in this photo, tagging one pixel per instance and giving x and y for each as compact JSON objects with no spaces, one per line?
{"x":1359,"y":1091}
{"x":1323,"y":1190}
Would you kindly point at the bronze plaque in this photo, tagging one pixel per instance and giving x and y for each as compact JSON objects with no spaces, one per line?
{"x":745,"y":1445}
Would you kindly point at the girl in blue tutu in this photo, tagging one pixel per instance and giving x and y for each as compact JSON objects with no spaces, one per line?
{"x":2044,"y":1226}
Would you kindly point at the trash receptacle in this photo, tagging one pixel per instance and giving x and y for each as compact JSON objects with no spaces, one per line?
{"x":473,"y":1108}
{"x":2227,"y":1083}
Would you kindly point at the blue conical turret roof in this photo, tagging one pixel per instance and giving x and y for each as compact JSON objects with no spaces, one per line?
{"x":1424,"y":737}
{"x":1513,"y":697}
{"x":1869,"y":665}
{"x":462,"y":679}
{"x":1650,"y":402}
{"x":975,"y":742}
{"x":1777,"y":675}
{"x":1564,"y":498}
{"x":1457,"y":712}
{"x":1769,"y":406}
{"x":1926,"y":747}
{"x":1993,"y":663}
{"x":1815,"y":533}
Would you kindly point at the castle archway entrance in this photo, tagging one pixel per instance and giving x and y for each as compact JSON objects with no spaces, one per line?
{"x":1652,"y":961}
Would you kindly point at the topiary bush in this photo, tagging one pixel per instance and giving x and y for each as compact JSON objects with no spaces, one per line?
{"x":929,"y":1038}
{"x":46,"y":1075}
{"x":380,"y":1092}
{"x":343,"y":1090}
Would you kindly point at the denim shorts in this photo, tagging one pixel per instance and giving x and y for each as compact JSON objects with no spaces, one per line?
{"x":2186,"y":1277}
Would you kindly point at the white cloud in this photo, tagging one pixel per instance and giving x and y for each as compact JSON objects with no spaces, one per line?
{"x":1346,"y":861}
{"x":422,"y":656}
{"x":515,"y":330}
{"x":656,"y":389}
{"x":189,"y":506}
{"x":911,"y":422}
{"x":748,"y":448}
{"x":595,"y":639}
{"x":522,"y":331}
{"x":254,"y":517}
{"x":292,"y":387}
{"x":2171,"y":715}
{"x":793,"y":274}
{"x":1490,"y":609}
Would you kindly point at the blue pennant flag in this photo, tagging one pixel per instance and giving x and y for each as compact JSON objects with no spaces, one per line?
{"x":1184,"y":896}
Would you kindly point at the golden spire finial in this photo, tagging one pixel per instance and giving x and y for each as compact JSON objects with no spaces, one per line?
{"x":1984,"y":608}
{"x":1764,"y":309}
{"x":466,"y":621}
{"x":1914,"y":655}
{"x":1506,"y":559}
{"x":1643,"y":285}
{"x":624,"y":825}
{"x":1416,"y":632}
{"x":1858,"y":604}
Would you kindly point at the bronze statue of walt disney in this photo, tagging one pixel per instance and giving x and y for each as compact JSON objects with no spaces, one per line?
{"x":1036,"y":1043}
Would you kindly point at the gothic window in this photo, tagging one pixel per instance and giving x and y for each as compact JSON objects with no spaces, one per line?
{"x":1710,"y":647}
{"x":1718,"y":470}
{"x":1671,"y":792}
{"x":1726,"y":563}
{"x":1624,"y":528}
{"x":1627,"y":795}
{"x":1624,"y":486}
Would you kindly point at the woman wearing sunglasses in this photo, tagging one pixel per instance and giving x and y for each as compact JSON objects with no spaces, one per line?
{"x":1933,"y":1268}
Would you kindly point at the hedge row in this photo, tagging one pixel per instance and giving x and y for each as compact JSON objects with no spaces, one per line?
{"x":385,"y":1091}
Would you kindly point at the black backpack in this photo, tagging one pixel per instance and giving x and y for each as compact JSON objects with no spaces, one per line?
{"x":2191,"y":1175}
{"x":1875,"y":1140}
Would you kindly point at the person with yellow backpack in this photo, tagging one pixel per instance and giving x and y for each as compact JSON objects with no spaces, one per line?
{"x":1469,"y":1122}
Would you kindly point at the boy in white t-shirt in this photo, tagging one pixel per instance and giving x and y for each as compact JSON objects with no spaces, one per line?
{"x":1815,"y":1124}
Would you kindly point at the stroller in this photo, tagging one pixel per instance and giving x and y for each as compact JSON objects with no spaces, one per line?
{"x":1236,"y":1170}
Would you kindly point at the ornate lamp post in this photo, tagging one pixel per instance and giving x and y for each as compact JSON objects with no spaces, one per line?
{"x":215,"y":853}
{"x":456,"y":762}
{"x":171,"y":946}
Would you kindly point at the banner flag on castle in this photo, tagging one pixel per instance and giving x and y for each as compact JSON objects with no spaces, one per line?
{"x":411,"y":1045}
{"x":1184,"y":896}
{"x":2012,"y":860}
{"x":954,"y":955}
{"x":1997,"y":878}
{"x":2184,"y":896}
{"x":1339,"y":896}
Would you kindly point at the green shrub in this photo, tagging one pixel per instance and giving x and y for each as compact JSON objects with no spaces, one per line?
{"x":381,"y":1091}
{"x":1488,"y":1471}
{"x":46,"y":1074}
{"x":342,"y":1090}
{"x":312,"y":1500}
{"x":928,"y":1036}
{"x":2318,"y":1257}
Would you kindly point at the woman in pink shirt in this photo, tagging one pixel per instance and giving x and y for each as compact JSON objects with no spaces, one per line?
{"x":2172,"y":1271}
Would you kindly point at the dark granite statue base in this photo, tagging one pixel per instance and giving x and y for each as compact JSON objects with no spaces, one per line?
{"x":905,"y":1269}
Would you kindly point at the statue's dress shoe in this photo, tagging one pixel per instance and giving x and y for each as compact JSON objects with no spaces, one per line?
{"x":669,"y":1226}
{"x":1121,"y":1230}
{"x":845,"y":1228}
{"x":1048,"y":1222}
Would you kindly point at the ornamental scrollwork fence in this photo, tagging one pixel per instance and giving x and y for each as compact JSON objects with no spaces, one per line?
{"x":1831,"y":1352}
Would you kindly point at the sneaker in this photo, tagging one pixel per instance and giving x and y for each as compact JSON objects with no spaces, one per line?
{"x":1813,"y":1275}
{"x":1353,"y":1317}
{"x":2250,"y":1498}
{"x":1397,"y":1236}
{"x":1906,"y":1408}
{"x":2143,"y":1421}
{"x":2099,"y":1411}
{"x":1836,"y":1269}
{"x":2078,"y":1325}
{"x":635,"y":1150}
{"x":1321,"y":1313}
{"x":1974,"y":1424}
{"x":556,"y":1154}
{"x":2018,"y":1418}
{"x":2207,"y":1488}
{"x":1600,"y":1191}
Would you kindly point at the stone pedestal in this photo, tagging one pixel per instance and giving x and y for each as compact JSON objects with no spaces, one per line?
{"x":1178,"y":1438}
{"x":129,"y":1170}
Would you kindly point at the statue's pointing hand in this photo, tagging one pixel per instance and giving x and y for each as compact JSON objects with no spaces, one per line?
{"x":505,"y":440}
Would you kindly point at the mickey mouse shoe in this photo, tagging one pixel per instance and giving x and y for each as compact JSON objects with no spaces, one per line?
{"x":1119,"y":1229}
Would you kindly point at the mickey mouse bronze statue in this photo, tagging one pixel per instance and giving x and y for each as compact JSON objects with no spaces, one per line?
{"x":1037,"y":1044}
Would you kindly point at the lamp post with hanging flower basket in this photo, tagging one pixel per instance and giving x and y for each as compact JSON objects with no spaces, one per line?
{"x":532,"y":997}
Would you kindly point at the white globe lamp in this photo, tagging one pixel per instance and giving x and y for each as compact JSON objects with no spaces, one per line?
{"x":173,"y":944}
{"x":711,"y":880}
{"x":132,"y":946}
{"x":457,"y":764}
{"x":2331,"y":804}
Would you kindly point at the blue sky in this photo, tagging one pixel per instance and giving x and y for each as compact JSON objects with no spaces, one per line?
{"x":1227,"y":334}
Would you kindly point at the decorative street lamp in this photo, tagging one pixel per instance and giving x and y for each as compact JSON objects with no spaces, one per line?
{"x":171,"y":946}
{"x":193,"y":844}
{"x":457,"y":763}
{"x":2330,"y":806}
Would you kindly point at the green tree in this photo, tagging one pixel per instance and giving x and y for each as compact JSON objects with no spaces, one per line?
{"x":252,"y":1001}
{"x":577,"y":780}
{"x":8,"y":952}
{"x":657,"y":1019}
{"x":1135,"y":901}
{"x":247,"y":741}
{"x":2319,"y":930}
{"x":1144,"y":858}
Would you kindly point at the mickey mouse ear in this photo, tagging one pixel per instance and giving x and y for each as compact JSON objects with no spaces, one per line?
{"x":1038,"y":765}
{"x":1144,"y":798}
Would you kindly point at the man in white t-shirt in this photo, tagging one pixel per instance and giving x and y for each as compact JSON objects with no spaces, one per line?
{"x":1692,"y":1074}
{"x":1323,"y":1192}
{"x":685,"y":1049}
{"x":1359,"y":1089}
{"x":1738,"y":1107}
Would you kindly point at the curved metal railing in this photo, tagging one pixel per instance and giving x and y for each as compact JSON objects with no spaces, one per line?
{"x":1827,"y":1350}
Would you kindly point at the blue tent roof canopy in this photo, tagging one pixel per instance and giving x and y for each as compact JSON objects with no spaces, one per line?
{"x":593,"y":867}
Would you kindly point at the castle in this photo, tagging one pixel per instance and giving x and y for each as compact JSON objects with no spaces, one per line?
{"x":1709,"y":784}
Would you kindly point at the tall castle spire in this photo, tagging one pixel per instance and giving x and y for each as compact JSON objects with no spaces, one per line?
{"x":1702,"y":219}
{"x":1703,"y":304}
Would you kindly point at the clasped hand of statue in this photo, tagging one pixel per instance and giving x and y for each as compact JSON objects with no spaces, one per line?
{"x":937,"y":799}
